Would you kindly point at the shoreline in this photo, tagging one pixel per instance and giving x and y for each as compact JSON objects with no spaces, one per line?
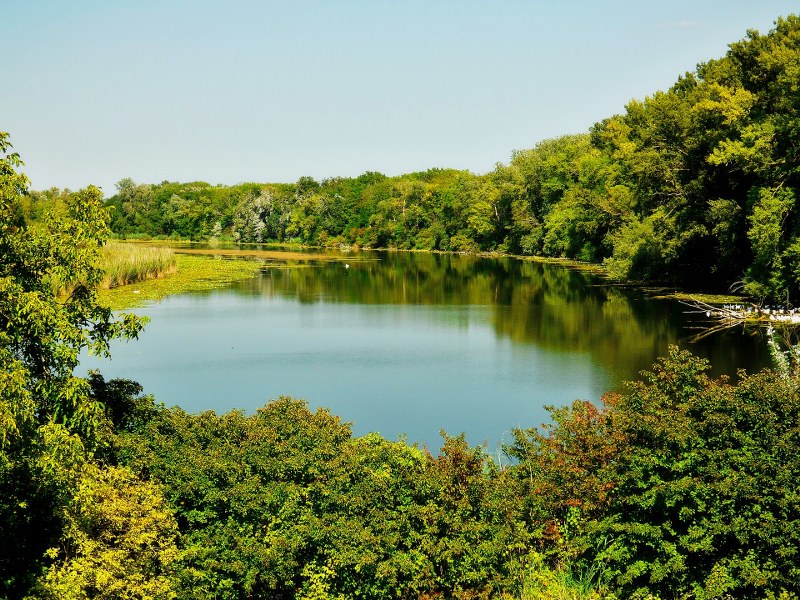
{"x":206,"y":279}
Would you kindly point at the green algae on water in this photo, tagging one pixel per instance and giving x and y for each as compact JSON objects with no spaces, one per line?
{"x":195,"y":273}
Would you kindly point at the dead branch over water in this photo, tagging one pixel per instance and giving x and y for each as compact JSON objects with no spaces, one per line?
{"x":726,"y":316}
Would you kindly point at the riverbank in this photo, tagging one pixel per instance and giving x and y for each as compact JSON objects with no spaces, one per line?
{"x":126,"y":264}
{"x":193,"y":273}
{"x":217,"y":265}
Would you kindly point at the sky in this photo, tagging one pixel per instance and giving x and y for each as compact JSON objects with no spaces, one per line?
{"x":226,"y":92}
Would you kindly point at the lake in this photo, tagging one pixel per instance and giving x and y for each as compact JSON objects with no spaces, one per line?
{"x":408,"y":344}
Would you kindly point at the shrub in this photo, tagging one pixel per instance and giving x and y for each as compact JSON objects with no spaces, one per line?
{"x":707,"y":499}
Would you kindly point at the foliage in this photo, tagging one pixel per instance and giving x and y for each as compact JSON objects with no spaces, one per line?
{"x":681,"y":487}
{"x":706,"y":500}
{"x":119,"y":541}
{"x":693,"y":186}
{"x":785,"y":362}
{"x":563,"y":470}
{"x":765,"y":276}
{"x":286,"y":500}
{"x":542,"y":582}
{"x":48,"y":420}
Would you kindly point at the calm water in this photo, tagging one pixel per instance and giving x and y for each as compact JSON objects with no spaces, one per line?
{"x":408,"y":344}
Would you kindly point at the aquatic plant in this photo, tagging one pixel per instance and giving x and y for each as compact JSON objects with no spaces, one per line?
{"x":123,"y":264}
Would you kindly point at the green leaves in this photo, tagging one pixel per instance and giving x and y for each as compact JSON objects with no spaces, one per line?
{"x":119,"y":541}
{"x":45,"y":333}
{"x":49,"y":422}
{"x":703,"y":495}
{"x":287,"y":500}
{"x":766,"y":277}
{"x":681,"y":487}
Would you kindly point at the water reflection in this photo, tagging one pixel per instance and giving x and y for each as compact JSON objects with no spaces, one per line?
{"x":554,"y":307}
{"x":410,"y":343}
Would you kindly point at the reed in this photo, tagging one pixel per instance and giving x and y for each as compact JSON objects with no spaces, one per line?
{"x":195,"y":273}
{"x":123,"y":264}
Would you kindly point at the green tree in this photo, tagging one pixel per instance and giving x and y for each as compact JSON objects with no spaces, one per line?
{"x":48,"y":419}
{"x":139,"y":205}
{"x":562,"y":469}
{"x":765,"y":277}
{"x":119,"y":541}
{"x":260,"y":218}
{"x":705,"y":502}
{"x":286,"y":500}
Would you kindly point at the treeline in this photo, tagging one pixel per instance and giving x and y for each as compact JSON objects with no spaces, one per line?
{"x":694,"y":186}
{"x":681,"y":487}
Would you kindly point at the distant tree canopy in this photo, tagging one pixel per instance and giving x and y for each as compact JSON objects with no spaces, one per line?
{"x":694,"y":186}
{"x":681,"y":487}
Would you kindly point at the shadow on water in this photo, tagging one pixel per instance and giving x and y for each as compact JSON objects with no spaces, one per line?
{"x":555,"y":307}
{"x":408,"y":343}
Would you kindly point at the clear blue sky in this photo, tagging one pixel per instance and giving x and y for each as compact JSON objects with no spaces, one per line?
{"x":98,"y":90}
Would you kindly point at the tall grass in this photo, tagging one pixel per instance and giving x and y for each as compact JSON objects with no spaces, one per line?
{"x":543,"y":582}
{"x":128,"y":263}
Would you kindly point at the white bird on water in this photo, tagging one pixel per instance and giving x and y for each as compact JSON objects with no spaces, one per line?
{"x":346,"y":265}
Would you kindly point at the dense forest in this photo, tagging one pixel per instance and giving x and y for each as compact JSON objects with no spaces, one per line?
{"x":695,"y":186}
{"x":682,"y":486}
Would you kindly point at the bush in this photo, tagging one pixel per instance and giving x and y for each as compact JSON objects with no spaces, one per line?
{"x":286,"y":501}
{"x":707,"y":500}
